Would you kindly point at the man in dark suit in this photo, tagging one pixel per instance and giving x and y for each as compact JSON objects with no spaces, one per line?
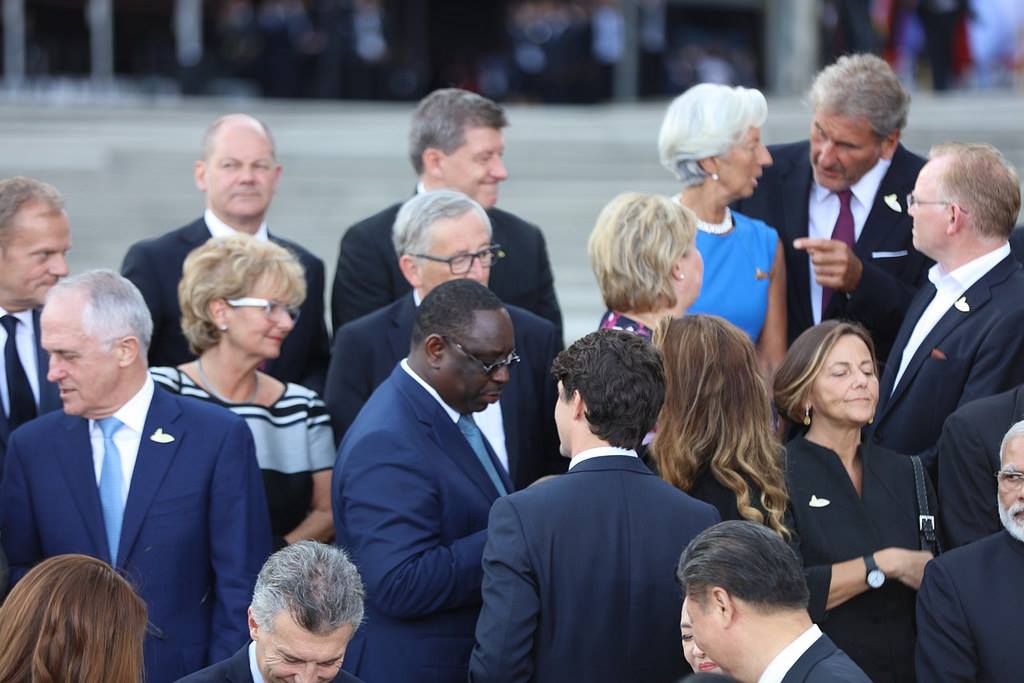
{"x":34,"y":239}
{"x":413,"y":483}
{"x":961,"y":339}
{"x":838,"y":203}
{"x":970,"y":600}
{"x":747,"y":601}
{"x":553,"y":547}
{"x":968,"y":454}
{"x":239,"y":174}
{"x":441,"y":236}
{"x":456,"y":142}
{"x":307,"y":604}
{"x":166,"y":489}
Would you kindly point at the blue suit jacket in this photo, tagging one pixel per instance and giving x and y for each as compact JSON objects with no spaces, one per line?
{"x":236,"y":670}
{"x":195,"y":530}
{"x":366,"y":351}
{"x":968,"y":613}
{"x":410,"y":504}
{"x":579,"y":578}
{"x":823,"y":662}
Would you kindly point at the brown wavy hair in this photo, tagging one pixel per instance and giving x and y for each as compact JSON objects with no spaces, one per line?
{"x":717,"y":416}
{"x":72,"y":618}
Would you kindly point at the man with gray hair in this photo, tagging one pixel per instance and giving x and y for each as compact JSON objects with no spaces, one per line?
{"x":440,"y":236}
{"x":455,"y":142}
{"x":307,"y":605}
{"x":838,"y":202}
{"x":970,"y":602}
{"x":167,"y":489}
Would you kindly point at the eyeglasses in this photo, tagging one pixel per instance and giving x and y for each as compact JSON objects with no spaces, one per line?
{"x":912,"y":200}
{"x":488,"y":368}
{"x":269,"y":307}
{"x":1010,"y":480}
{"x":460,"y":264}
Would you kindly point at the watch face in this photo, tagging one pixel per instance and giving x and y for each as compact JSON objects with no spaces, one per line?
{"x":876,"y":577}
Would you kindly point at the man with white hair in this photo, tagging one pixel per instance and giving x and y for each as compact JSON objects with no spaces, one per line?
{"x":167,"y":489}
{"x":970,"y":602}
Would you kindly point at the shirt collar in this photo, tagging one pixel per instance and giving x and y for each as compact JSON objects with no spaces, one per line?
{"x":777,"y":669}
{"x":219,"y":228}
{"x":961,"y":279}
{"x":24,"y":316}
{"x":254,"y":668}
{"x":452,"y":413}
{"x":133,"y":413}
{"x":598,"y":452}
{"x":864,"y":189}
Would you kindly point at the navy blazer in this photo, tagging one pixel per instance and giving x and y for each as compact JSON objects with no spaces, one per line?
{"x":968,"y":613}
{"x":368,"y":276}
{"x":236,"y":669}
{"x":195,"y":530}
{"x":367,"y":349}
{"x":968,"y":355}
{"x":410,"y":503}
{"x":823,"y":662}
{"x":579,"y":578}
{"x":893,"y":268}
{"x":155,"y":265}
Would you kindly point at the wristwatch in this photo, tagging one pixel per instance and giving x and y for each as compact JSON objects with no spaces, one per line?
{"x":875,"y":576}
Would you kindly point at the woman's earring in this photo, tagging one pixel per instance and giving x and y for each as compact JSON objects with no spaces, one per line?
{"x":870,"y":420}
{"x":807,"y":416}
{"x":681,"y":277}
{"x":714,"y":176}
{"x":222,"y":328}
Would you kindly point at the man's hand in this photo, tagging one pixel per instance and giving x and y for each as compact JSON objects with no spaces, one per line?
{"x":835,"y":264}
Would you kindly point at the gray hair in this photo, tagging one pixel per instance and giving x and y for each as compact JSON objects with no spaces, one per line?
{"x":18,"y":191}
{"x":1016,"y":431}
{"x":442,"y":118}
{"x":706,"y":121}
{"x":862,"y":87}
{"x":114,"y":307}
{"x":411,"y":231}
{"x":210,"y":135}
{"x":315,"y":582}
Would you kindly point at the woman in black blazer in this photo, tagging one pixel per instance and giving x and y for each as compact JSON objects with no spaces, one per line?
{"x":854,"y":506}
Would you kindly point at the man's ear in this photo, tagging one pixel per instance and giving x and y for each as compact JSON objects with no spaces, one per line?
{"x":127,"y":350}
{"x":254,"y":628}
{"x":435,"y":347}
{"x":199,"y":175}
{"x":579,"y":408}
{"x":432,"y":161}
{"x":410,"y":268}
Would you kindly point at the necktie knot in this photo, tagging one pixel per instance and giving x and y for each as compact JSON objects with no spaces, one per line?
{"x":109,"y":426}
{"x":844,"y":198}
{"x":467,"y":425}
{"x":9,"y":322}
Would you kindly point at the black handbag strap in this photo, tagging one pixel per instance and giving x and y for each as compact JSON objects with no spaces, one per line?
{"x":925,"y":519}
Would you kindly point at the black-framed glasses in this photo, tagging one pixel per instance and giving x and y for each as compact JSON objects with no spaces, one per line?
{"x":460,"y":264}
{"x":1010,"y":480}
{"x":912,"y":201}
{"x":269,"y":307}
{"x":488,"y":368}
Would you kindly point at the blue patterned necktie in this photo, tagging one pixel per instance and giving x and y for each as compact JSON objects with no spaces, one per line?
{"x":111,"y":485}
{"x":476,"y":440}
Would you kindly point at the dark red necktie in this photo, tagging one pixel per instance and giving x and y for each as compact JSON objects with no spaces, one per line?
{"x":842,"y":232}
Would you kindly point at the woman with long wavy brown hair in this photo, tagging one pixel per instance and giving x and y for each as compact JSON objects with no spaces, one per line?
{"x":72,"y":618}
{"x":714,"y":438}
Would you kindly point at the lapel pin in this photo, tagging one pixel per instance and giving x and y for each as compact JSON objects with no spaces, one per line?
{"x":760,"y":274}
{"x":160,"y":436}
{"x":818,"y":502}
{"x":961,"y":305}
{"x":893,"y":203}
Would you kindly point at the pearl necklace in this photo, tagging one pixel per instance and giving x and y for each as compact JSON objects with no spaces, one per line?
{"x":213,"y":392}
{"x":717,"y":228}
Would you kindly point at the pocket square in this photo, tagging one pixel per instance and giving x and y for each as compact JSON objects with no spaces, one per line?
{"x":888,"y":254}
{"x":937,"y":354}
{"x":818,"y":502}
{"x":160,"y":436}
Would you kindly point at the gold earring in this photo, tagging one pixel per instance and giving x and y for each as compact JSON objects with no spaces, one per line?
{"x":807,"y":416}
{"x":871,"y":420}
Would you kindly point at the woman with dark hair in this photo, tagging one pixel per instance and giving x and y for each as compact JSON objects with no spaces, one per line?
{"x":714,"y":438}
{"x":72,"y":618}
{"x":854,"y":506}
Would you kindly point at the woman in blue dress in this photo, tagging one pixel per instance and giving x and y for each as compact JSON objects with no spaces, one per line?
{"x":711,"y":140}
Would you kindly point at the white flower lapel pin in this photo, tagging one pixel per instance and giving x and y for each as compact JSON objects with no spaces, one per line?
{"x":160,"y":436}
{"x":961,"y":305}
{"x":893,"y":203}
{"x":819,"y":502}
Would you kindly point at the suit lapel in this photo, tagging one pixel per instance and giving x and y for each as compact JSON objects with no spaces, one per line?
{"x":399,"y":332}
{"x":74,"y":452}
{"x":914,"y":311}
{"x":819,"y":650}
{"x":510,"y":421}
{"x":195,"y":234}
{"x":796,"y":187}
{"x":49,"y":394}
{"x":882,"y":219}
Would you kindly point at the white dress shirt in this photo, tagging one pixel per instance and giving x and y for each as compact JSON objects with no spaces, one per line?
{"x":127,"y":439}
{"x":823,"y":210}
{"x":254,"y":668}
{"x":599,"y":452}
{"x":25,"y":343}
{"x":219,"y":228}
{"x":949,"y":287}
{"x":784,"y":661}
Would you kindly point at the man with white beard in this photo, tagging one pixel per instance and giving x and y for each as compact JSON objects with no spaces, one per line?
{"x":970,"y":602}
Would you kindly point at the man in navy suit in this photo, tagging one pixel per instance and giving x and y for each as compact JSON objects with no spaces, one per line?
{"x":413,"y":483}
{"x":747,"y":600}
{"x":166,"y":489}
{"x":838,"y":203}
{"x":441,"y":236}
{"x":238,"y":174}
{"x":307,"y":604}
{"x":34,"y":239}
{"x":970,"y":601}
{"x":961,"y":339}
{"x":563,"y":576}
{"x":456,"y":142}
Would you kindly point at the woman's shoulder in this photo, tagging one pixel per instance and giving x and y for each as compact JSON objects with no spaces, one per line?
{"x":754,"y":225}
{"x":170,"y":378}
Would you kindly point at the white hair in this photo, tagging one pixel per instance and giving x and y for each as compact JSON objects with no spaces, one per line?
{"x":114,"y":307}
{"x":1008,"y":517}
{"x":1016,"y":431}
{"x":706,"y":121}
{"x":411,"y":232}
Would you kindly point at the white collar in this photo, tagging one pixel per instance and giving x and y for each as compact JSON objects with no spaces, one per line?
{"x":864,"y":189}
{"x":133,"y":413}
{"x":598,"y":452}
{"x":24,"y":316}
{"x":961,"y":279}
{"x":254,"y":667}
{"x":452,"y":413}
{"x":219,"y":228}
{"x":784,"y":661}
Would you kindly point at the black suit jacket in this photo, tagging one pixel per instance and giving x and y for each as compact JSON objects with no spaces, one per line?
{"x":968,"y":456}
{"x":235,"y":669}
{"x":368,"y":276}
{"x":893,"y":269}
{"x":154,"y":265}
{"x":366,"y":351}
{"x":968,"y":613}
{"x":967,"y":355}
{"x":823,"y":662}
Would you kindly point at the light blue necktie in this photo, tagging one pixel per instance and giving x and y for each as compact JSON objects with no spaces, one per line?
{"x":111,"y":485}
{"x":476,"y":439}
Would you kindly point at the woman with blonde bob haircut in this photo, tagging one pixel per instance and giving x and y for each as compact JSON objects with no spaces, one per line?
{"x":710,"y":140}
{"x":240,"y":298}
{"x":643,"y":255}
{"x":72,"y":618}
{"x":714,"y":438}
